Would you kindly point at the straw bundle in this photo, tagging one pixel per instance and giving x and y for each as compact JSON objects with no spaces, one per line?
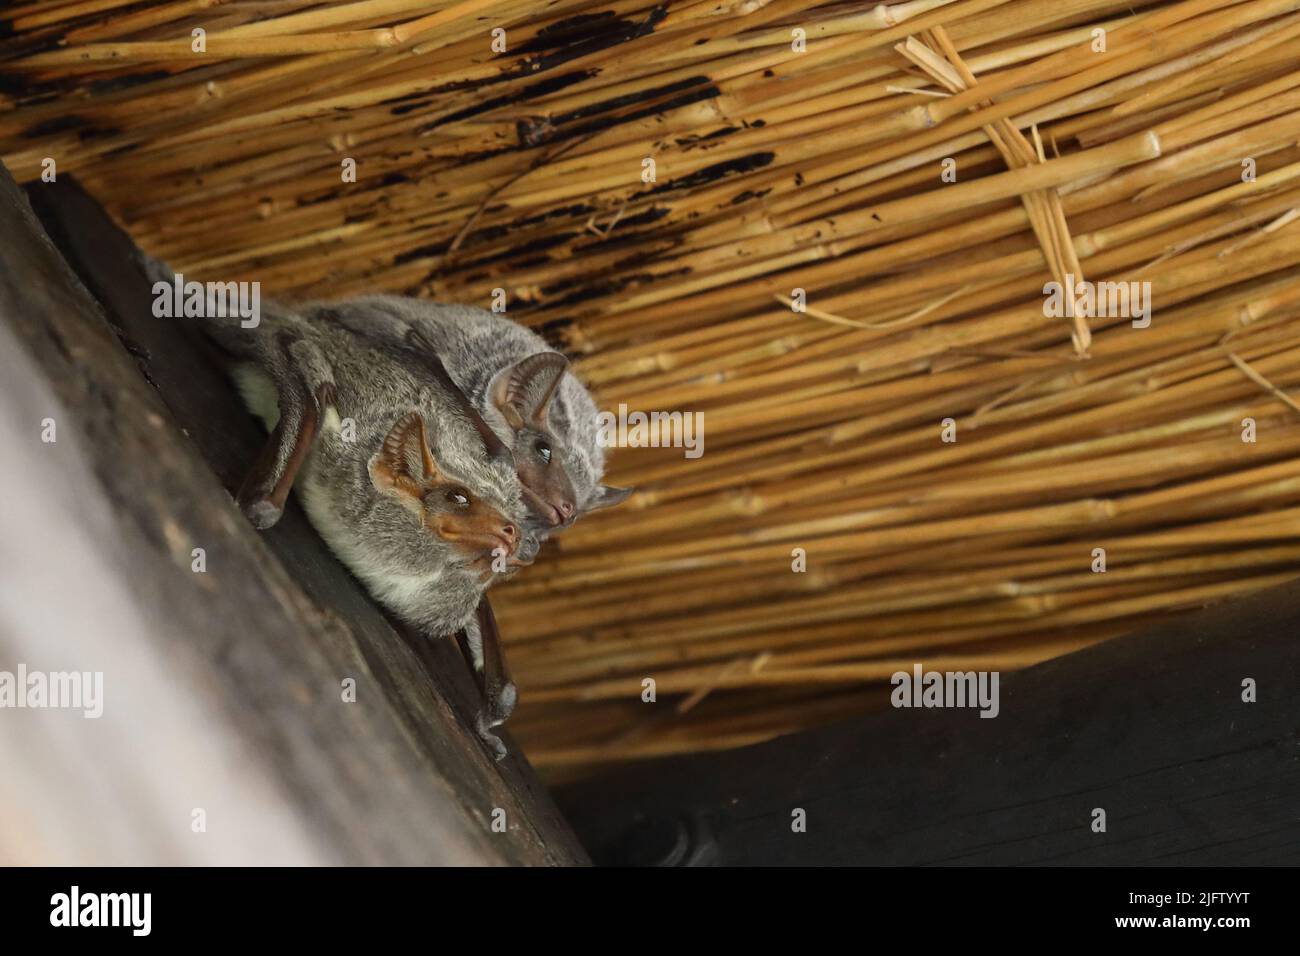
{"x":1090,"y":139}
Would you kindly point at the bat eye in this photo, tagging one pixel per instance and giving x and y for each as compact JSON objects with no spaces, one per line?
{"x":543,"y":451}
{"x":458,"y":497}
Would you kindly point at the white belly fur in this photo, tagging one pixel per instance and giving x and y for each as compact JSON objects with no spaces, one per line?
{"x":261,"y":398}
{"x":258,"y":392}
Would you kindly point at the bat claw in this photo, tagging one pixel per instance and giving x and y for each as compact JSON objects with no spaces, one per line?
{"x":262,"y":513}
{"x":494,"y":713}
{"x":493,"y":743}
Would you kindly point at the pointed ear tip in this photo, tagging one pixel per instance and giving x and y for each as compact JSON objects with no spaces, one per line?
{"x":542,"y":361}
{"x":405,"y":423}
{"x":401,"y":430}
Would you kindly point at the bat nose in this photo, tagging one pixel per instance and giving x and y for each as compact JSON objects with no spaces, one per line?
{"x":561,"y":511}
{"x":507,"y":537}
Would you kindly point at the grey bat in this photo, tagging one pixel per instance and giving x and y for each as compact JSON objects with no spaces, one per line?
{"x":418,"y":496}
{"x":547,"y":418}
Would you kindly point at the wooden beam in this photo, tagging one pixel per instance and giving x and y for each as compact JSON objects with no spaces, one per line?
{"x":1150,"y":728}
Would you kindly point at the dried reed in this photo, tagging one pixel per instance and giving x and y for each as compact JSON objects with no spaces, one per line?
{"x":1086,"y":136}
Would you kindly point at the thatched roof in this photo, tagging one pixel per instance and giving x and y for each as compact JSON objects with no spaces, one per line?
{"x":919,"y":170}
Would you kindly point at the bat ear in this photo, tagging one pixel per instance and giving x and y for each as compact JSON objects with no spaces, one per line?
{"x":492,"y":444}
{"x":404,"y":467}
{"x":608,"y":496}
{"x":522,"y":393}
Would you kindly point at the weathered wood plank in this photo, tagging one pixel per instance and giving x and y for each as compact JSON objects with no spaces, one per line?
{"x":276,"y":623}
{"x":1151,"y":728}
